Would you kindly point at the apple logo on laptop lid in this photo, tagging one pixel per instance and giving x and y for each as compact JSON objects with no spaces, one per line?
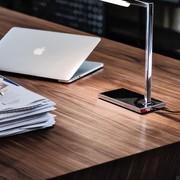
{"x":39,"y":51}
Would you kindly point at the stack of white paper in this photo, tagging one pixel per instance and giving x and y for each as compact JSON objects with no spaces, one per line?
{"x":23,"y":111}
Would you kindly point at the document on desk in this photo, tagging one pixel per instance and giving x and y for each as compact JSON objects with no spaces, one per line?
{"x":22,"y":110}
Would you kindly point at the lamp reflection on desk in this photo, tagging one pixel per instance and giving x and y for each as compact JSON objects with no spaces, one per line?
{"x":126,"y":98}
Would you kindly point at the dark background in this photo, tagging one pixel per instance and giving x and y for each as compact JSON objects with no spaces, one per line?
{"x":126,"y":25}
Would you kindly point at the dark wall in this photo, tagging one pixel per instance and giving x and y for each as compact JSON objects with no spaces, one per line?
{"x":128,"y":25}
{"x":121,"y":24}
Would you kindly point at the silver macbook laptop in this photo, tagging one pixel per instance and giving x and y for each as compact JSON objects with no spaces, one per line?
{"x":53,"y":55}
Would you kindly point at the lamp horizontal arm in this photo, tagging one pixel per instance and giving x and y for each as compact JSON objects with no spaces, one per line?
{"x":143,"y":3}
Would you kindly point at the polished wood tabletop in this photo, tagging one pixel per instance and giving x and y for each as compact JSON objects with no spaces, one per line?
{"x":89,"y":131}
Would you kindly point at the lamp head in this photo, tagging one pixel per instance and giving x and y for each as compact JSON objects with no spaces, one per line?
{"x":118,"y":2}
{"x":127,"y":3}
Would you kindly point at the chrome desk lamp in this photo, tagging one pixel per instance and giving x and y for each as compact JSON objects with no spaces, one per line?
{"x":126,"y":98}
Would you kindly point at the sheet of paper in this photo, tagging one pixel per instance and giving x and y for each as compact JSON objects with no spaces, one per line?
{"x":35,"y":120}
{"x":16,"y":97}
{"x":21,"y":130}
{"x":14,"y":114}
{"x":27,"y":114}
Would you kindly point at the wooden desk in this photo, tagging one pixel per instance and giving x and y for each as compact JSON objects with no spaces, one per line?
{"x":89,"y":131}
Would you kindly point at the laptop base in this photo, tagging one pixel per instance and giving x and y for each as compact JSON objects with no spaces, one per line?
{"x":85,"y":69}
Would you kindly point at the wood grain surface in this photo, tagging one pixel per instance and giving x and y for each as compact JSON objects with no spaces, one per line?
{"x":90,"y":131}
{"x":158,"y":164}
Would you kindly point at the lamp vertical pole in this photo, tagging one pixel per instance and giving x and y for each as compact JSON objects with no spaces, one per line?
{"x":149,"y":53}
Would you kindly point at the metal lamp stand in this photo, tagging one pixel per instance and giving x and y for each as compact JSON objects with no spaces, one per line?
{"x":132,"y":100}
